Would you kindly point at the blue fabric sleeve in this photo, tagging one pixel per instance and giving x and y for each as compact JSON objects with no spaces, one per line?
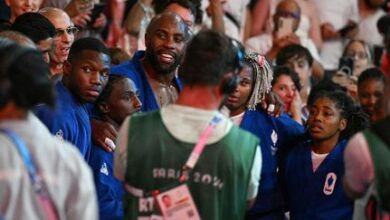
{"x":109,"y":190}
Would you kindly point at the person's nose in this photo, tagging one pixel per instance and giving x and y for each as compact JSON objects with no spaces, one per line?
{"x":28,"y":3}
{"x":372,"y":100}
{"x":290,"y":93}
{"x":137,"y":103}
{"x":96,"y":78}
{"x":170,"y":42}
{"x":67,"y":37}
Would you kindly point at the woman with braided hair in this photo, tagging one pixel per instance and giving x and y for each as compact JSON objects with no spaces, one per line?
{"x":313,"y":170}
{"x":274,"y":133}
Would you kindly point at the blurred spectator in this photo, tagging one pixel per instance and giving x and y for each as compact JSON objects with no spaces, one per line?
{"x":287,"y":18}
{"x":338,"y":20}
{"x":19,"y":7}
{"x":118,"y":56}
{"x":65,"y":35}
{"x":19,"y":38}
{"x":286,"y":85}
{"x":39,"y":29}
{"x":308,"y":25}
{"x":373,"y":94}
{"x":356,"y":58}
{"x":370,"y":12}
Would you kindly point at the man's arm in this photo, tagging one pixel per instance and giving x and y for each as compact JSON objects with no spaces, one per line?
{"x":359,"y":169}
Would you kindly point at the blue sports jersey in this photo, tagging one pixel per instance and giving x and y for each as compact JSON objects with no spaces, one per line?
{"x":69,"y":120}
{"x":133,"y":70}
{"x":319,"y":194}
{"x":109,"y":190}
{"x":274,"y":134}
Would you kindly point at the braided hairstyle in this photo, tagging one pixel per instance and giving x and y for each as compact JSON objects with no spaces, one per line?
{"x":357,"y":120}
{"x":262,"y":78}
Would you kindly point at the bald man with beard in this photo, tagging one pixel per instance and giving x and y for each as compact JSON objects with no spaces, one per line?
{"x":65,"y":35}
{"x":153,"y":70}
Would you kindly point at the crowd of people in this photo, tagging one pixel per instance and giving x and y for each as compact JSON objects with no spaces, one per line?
{"x":190,"y":109}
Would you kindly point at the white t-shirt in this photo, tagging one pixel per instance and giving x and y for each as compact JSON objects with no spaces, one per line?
{"x":317,"y":159}
{"x":237,"y":119}
{"x":368,"y":30}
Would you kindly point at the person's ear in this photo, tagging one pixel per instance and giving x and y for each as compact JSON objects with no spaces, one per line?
{"x":343,"y":124}
{"x":67,"y":67}
{"x":104,"y":108}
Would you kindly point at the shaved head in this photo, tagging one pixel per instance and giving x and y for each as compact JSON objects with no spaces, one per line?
{"x":167,"y":19}
{"x":64,"y":37}
{"x":165,"y":40}
{"x":54,"y":14}
{"x":289,"y":5}
{"x":288,"y":9}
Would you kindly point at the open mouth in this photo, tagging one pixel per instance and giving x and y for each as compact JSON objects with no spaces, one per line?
{"x":27,"y":10}
{"x":64,"y":51}
{"x":167,"y":58}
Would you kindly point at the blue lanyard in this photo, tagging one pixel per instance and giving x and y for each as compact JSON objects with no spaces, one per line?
{"x":37,"y":183}
{"x":25,"y":154}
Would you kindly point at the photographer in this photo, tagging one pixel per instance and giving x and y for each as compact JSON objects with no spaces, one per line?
{"x":355,"y":59}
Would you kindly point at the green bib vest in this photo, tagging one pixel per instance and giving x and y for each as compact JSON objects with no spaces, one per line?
{"x":218,"y":183}
{"x":379,"y":145}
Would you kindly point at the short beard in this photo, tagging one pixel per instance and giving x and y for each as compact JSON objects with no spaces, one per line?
{"x":153,"y":59}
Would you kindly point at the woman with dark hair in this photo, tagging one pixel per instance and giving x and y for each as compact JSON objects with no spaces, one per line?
{"x":275,"y":133}
{"x":47,"y":178}
{"x":286,"y":84}
{"x":359,"y":52}
{"x":373,"y":93}
{"x":313,"y":170}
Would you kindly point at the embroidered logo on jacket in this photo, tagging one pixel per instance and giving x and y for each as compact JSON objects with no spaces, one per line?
{"x":103,"y":169}
{"x":60,"y":134}
{"x":330,"y":183}
{"x":274,"y":138}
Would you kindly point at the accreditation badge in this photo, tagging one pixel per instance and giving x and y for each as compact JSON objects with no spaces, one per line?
{"x":177,"y":203}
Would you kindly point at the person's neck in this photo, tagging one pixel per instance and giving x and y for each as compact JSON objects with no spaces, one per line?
{"x":234,"y":112}
{"x":106,"y":118}
{"x":152,"y":73}
{"x":325,"y":146}
{"x":364,"y":9}
{"x":305,"y":91}
{"x":67,"y":85}
{"x":55,"y":68}
{"x":202,"y":97}
{"x":12,"y":112}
